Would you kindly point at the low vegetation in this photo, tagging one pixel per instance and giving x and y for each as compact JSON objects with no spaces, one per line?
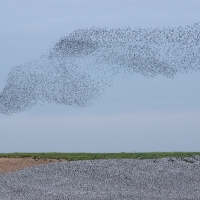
{"x":93,"y":156}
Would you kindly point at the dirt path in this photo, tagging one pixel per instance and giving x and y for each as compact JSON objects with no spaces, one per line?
{"x":14,"y":164}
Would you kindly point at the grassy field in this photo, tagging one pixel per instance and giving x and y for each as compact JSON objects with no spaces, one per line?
{"x":93,"y":156}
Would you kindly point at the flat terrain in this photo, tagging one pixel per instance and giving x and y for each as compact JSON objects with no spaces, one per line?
{"x":10,"y":162}
{"x":14,"y":164}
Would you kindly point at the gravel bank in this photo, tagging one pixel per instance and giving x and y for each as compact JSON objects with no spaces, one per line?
{"x":105,"y":179}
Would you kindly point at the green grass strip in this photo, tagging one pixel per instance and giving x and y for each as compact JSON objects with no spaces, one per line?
{"x":93,"y":156}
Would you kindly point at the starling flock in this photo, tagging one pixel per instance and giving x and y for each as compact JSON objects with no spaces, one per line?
{"x":79,"y":67}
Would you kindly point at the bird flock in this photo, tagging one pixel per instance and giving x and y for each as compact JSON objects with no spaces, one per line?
{"x":78,"y":68}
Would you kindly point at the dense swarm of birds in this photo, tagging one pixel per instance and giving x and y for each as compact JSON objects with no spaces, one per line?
{"x":105,"y":179}
{"x":79,"y":67}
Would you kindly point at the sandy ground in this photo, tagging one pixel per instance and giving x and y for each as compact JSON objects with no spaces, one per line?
{"x":14,"y":164}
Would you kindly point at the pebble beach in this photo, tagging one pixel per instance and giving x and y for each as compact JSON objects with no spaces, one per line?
{"x":110,"y":179}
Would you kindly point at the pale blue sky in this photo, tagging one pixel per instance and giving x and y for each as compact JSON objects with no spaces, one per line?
{"x":135,"y":114}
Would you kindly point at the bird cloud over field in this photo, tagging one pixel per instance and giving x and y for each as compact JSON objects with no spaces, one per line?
{"x":79,"y":67}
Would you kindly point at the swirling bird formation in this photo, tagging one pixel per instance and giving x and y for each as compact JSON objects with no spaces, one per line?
{"x":79,"y":67}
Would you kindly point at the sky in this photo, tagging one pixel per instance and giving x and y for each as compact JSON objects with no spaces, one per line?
{"x":136,"y":114}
